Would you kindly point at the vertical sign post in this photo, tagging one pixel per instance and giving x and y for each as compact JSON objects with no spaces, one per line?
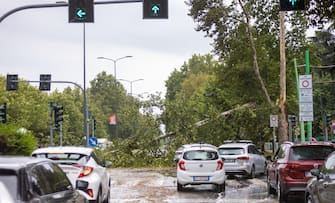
{"x":274,"y":125}
{"x":305,"y":100}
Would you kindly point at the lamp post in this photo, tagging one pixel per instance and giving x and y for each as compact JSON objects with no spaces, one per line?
{"x":131,"y":84}
{"x":116,"y":98}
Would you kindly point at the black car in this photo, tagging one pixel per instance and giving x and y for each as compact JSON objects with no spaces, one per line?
{"x":37,"y":180}
{"x":321,"y":189}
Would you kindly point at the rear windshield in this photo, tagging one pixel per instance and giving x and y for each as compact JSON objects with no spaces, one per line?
{"x":310,"y":152}
{"x":64,"y":158}
{"x":200,"y":155}
{"x":231,"y":151}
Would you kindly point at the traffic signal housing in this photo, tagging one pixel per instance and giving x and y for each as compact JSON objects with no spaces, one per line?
{"x":45,"y":82}
{"x":12,"y":82}
{"x":155,"y":9}
{"x":94,"y":124}
{"x":81,"y":11}
{"x":3,"y":113}
{"x":328,"y":119}
{"x":293,"y":119}
{"x":292,"y":5}
{"x":58,"y":110}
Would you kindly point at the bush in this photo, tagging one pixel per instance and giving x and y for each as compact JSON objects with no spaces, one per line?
{"x":15,"y":141}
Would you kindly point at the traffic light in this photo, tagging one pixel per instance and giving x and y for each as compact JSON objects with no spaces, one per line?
{"x":58,"y":115}
{"x":12,"y":82}
{"x":45,"y":82}
{"x":155,"y":9}
{"x":293,"y":119}
{"x":94,"y":124}
{"x":81,"y":11}
{"x":3,"y":113}
{"x":328,"y":119}
{"x":292,"y":5}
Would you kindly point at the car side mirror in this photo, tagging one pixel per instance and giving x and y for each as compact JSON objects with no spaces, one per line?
{"x":107,"y":164}
{"x":223,"y":159}
{"x":268,"y":158}
{"x":176,"y":160}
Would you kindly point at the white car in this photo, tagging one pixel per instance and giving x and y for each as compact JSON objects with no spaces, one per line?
{"x":200,"y":165}
{"x":180,"y":149}
{"x":83,"y":168}
{"x":242,"y":158}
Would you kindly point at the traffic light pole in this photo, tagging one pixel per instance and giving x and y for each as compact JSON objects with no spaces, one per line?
{"x":51,"y":124}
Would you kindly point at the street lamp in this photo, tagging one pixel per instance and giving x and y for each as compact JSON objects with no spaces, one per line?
{"x":116,"y":106}
{"x":131,"y":84}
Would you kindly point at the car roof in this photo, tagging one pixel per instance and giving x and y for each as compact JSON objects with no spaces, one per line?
{"x":18,"y":162}
{"x":231,"y":145}
{"x":310,"y":143}
{"x":207,"y":148}
{"x":64,"y":149}
{"x":197,"y":145}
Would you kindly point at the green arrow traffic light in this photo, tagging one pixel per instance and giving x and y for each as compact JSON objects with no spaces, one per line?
{"x":292,"y":5}
{"x":155,"y":9}
{"x":80,"y":13}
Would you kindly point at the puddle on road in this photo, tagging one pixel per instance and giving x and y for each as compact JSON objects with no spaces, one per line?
{"x":151,"y":186}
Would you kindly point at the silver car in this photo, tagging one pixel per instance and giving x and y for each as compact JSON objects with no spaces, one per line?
{"x":242,"y":158}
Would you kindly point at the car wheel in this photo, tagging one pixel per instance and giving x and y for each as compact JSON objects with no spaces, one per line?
{"x":309,"y":198}
{"x":220,"y":187}
{"x":271,"y":190}
{"x":179,"y":187}
{"x":252,"y":172}
{"x":280,"y":195}
{"x":106,"y":200}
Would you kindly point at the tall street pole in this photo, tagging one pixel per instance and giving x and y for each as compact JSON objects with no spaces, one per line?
{"x":116,"y":90}
{"x":85,"y":95}
{"x":131,"y":84}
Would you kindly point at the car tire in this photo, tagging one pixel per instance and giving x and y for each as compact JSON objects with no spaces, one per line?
{"x":179,"y":187}
{"x":271,"y":190}
{"x":280,"y":195}
{"x":252,"y":173}
{"x":220,"y":187}
{"x":309,"y":198}
{"x":106,"y":200}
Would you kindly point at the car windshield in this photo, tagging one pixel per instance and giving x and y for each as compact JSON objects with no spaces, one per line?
{"x":10,"y":182}
{"x":310,"y":152}
{"x":200,"y":155}
{"x":231,"y":151}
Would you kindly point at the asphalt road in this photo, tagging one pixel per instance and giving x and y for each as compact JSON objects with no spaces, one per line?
{"x":159,"y":185}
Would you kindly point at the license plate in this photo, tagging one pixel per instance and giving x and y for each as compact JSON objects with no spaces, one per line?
{"x":308,"y":174}
{"x":200,"y":178}
{"x":229,"y":160}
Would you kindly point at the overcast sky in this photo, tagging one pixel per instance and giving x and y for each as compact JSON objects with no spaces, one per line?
{"x":41,"y":41}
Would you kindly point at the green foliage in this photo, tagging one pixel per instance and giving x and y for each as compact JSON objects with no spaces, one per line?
{"x":15,"y":141}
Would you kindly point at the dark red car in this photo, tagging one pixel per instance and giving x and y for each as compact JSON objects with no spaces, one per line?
{"x":289,"y":170}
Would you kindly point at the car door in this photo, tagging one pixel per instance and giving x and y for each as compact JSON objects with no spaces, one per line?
{"x":259,"y":163}
{"x":274,"y":165}
{"x":51,"y":185}
{"x":103,"y":173}
{"x":326,"y":185}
